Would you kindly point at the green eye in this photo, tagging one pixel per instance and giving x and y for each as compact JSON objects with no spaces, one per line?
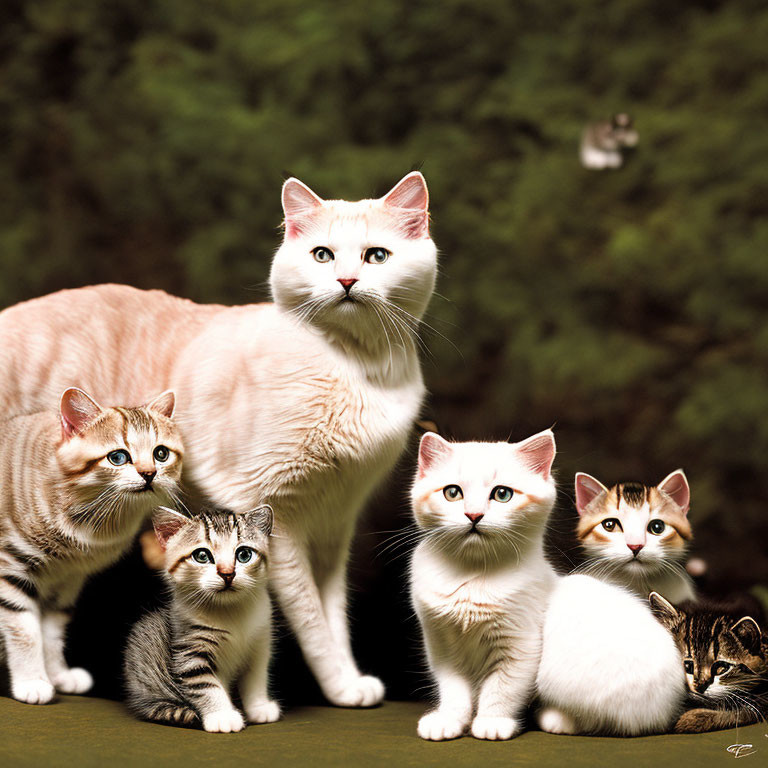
{"x":202,"y":556}
{"x":720,"y":667}
{"x":322,"y":255}
{"x":118,"y":458}
{"x":161,"y":453}
{"x":452,"y":492}
{"x":376,"y":255}
{"x":656,"y":526}
{"x":611,"y":523}
{"x":502,"y":493}
{"x":244,"y":554}
{"x":688,"y":666}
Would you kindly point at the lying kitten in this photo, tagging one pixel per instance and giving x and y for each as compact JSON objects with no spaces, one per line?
{"x":607,"y":666}
{"x":77,"y":487}
{"x":479,"y":578}
{"x":636,"y":535}
{"x":181,"y":661}
{"x":725,"y":657}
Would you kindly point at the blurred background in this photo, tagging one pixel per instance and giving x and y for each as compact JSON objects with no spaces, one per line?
{"x":145,"y":142}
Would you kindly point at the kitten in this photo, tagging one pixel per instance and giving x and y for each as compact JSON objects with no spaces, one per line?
{"x":314,"y":396}
{"x":603,"y":142}
{"x":607,"y":666}
{"x":725,"y":658}
{"x":181,"y":661}
{"x":636,"y":535}
{"x":479,"y":578}
{"x":77,"y":487}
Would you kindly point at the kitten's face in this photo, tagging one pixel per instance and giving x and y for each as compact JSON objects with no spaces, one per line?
{"x":364,"y":268}
{"x":632,"y":526}
{"x":215,"y":557}
{"x":477,"y":498}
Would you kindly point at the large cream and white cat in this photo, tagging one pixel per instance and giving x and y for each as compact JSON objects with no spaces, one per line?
{"x":306,"y":402}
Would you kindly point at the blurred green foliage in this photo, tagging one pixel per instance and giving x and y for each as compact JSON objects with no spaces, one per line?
{"x":145,"y":141}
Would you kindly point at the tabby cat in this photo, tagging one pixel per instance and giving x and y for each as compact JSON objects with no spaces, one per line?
{"x":76,"y":488}
{"x":182,"y":660}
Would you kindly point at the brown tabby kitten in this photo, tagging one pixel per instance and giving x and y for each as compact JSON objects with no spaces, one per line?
{"x":77,"y":486}
{"x":725,"y":657}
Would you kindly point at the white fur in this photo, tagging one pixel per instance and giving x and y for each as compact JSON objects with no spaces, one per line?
{"x":607,"y":665}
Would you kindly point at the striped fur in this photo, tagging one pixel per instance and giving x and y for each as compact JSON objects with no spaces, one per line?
{"x":67,"y":512}
{"x":181,"y":661}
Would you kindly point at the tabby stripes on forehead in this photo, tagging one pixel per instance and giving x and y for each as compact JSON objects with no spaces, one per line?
{"x":635,"y":494}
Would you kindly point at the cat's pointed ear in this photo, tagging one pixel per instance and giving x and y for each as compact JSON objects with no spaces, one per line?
{"x":262,"y":518}
{"x":538,"y":452}
{"x":432,"y":450}
{"x":77,"y":411}
{"x":167,"y":523}
{"x":298,"y":202}
{"x":164,"y":404}
{"x":663,"y":610}
{"x":675,"y":485}
{"x":588,"y":488}
{"x":748,"y":633}
{"x":409,"y":200}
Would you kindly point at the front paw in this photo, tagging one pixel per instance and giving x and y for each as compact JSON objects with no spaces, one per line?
{"x":436,"y":726}
{"x":76,"y":680}
{"x":365,"y":691}
{"x":495,"y":728}
{"x":266,"y":712}
{"x":36,"y":691}
{"x":554,"y":721}
{"x":695,"y":721}
{"x":223,"y":721}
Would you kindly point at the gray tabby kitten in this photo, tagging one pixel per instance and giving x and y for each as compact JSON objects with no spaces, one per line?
{"x":77,"y":487}
{"x":182,"y":660}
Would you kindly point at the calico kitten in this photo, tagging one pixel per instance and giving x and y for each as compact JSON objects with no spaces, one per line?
{"x":603,"y":142}
{"x":479,"y":578}
{"x":181,"y":661}
{"x":725,"y":658}
{"x":77,"y":487}
{"x":636,"y":535}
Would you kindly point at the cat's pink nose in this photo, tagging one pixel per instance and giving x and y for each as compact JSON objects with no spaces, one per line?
{"x":347,"y":283}
{"x":474,"y":517}
{"x":227,"y":576}
{"x":635,"y":548}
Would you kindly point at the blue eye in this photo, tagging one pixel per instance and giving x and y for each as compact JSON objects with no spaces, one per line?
{"x":202,"y":556}
{"x":244,"y":554}
{"x":502,"y":493}
{"x":118,"y":458}
{"x":376,"y":255}
{"x":161,"y":453}
{"x":453,"y":492}
{"x":322,"y":255}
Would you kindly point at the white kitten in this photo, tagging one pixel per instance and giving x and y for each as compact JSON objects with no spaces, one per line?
{"x":480,"y":581}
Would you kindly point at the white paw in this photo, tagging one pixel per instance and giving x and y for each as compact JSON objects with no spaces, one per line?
{"x":365,"y":691}
{"x":32,"y":691}
{"x":495,"y":728}
{"x":76,"y":680}
{"x":224,"y":721}
{"x":438,"y":727}
{"x":554,"y":721}
{"x":266,"y":712}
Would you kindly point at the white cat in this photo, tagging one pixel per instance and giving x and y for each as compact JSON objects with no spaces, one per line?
{"x":479,"y":578}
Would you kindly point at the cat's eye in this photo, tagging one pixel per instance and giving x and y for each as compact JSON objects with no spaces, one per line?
{"x":376,"y":255}
{"x":202,"y":555}
{"x":118,"y":458}
{"x":161,"y":453}
{"x":452,"y":492}
{"x":322,"y":255}
{"x":720,"y":667}
{"x":656,"y":526}
{"x":611,"y":524}
{"x":688,"y":666}
{"x":502,"y":493}
{"x":244,"y":554}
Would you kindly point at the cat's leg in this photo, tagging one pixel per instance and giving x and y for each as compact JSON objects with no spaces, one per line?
{"x":259,"y":708}
{"x":212,"y":702}
{"x":554,"y":720}
{"x":703,"y":720}
{"x":297,"y":593}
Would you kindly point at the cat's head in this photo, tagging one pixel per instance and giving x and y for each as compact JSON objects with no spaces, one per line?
{"x":214,"y":557}
{"x":723,"y":654}
{"x":483,"y":499}
{"x":361,"y":269}
{"x":638,"y":527}
{"x":118,"y":458}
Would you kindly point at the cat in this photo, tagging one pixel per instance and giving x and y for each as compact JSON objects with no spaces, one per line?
{"x":181,"y":661}
{"x":479,"y":578}
{"x":725,"y":658}
{"x":603,"y":142}
{"x":77,"y":487}
{"x":607,"y":666}
{"x":636,"y":535}
{"x":306,"y":402}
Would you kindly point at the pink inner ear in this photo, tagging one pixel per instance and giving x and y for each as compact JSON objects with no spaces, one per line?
{"x":676,"y":487}
{"x":409,"y":202}
{"x":432,"y":450}
{"x":167,"y":523}
{"x":538,"y":452}
{"x":77,"y":411}
{"x":587,"y":489}
{"x":299,"y":202}
{"x":163,"y":404}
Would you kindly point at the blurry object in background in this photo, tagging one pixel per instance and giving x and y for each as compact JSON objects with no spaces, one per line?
{"x":426,"y":425}
{"x":696,"y":567}
{"x":151,"y":551}
{"x":603,"y":142}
